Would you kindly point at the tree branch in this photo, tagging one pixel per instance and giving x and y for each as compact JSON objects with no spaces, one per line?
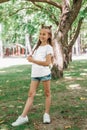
{"x":53,"y":17}
{"x":68,"y":16}
{"x":22,"y":9}
{"x":77,"y":30}
{"x":75,"y":9}
{"x":51,"y":14}
{"x":56,"y":4}
{"x":2,"y":1}
{"x":37,"y":5}
{"x":72,"y":41}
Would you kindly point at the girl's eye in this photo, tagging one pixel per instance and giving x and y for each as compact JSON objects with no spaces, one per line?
{"x":42,"y":34}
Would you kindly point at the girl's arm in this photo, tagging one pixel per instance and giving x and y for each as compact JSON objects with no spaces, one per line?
{"x":43,"y":63}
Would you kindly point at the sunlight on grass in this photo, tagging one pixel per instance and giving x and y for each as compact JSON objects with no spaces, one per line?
{"x":83,"y":74}
{"x":68,"y":78}
{"x":84,"y":69}
{"x":2,"y":71}
{"x":74,"y":86}
{"x":38,"y":94}
{"x":78,"y":78}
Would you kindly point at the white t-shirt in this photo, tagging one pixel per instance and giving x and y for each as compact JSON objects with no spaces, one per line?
{"x":40,"y":55}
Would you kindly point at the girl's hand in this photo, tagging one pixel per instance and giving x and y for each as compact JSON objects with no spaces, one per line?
{"x":30,"y":59}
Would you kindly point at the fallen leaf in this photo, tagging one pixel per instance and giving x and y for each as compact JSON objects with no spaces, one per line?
{"x":1,"y":121}
{"x":11,"y":106}
{"x":82,"y":98}
{"x":68,"y":126}
{"x":19,"y":106}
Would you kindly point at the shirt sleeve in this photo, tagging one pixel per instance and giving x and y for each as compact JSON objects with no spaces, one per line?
{"x":50,"y":50}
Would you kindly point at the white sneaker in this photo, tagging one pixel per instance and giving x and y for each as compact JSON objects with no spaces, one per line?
{"x":46,"y":118}
{"x":21,"y":120}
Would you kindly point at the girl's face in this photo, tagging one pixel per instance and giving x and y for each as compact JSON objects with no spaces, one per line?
{"x":44,"y":35}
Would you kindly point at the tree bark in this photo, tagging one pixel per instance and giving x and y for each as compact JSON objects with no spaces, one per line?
{"x":57,"y":70}
{"x":2,"y":1}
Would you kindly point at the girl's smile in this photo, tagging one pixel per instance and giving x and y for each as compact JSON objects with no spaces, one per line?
{"x":43,"y":36}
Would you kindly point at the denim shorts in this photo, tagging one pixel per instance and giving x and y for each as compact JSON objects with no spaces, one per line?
{"x":44,"y":78}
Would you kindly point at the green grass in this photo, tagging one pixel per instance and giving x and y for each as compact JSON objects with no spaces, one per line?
{"x":69,"y":106}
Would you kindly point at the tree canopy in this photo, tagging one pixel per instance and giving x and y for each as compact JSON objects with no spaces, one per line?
{"x":20,"y":17}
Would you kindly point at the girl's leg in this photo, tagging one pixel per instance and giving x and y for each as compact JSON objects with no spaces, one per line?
{"x":48,"y":95}
{"x":23,"y":118}
{"x":31,"y":94}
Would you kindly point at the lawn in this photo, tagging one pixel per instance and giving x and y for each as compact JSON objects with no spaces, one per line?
{"x":69,"y":99}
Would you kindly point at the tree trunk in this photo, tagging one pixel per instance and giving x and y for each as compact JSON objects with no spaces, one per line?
{"x":67,"y":18}
{"x":28,"y":45}
{"x":57,"y":70}
{"x":1,"y":45}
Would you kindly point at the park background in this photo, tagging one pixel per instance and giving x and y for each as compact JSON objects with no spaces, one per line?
{"x":20,"y":22}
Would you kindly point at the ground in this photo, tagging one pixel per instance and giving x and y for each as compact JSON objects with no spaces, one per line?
{"x":69,"y":98}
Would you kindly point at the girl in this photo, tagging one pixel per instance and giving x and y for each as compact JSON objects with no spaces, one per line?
{"x":41,"y":59}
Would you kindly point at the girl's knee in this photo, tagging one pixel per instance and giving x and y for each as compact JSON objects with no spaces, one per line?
{"x":31,"y":94}
{"x":47,"y":94}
